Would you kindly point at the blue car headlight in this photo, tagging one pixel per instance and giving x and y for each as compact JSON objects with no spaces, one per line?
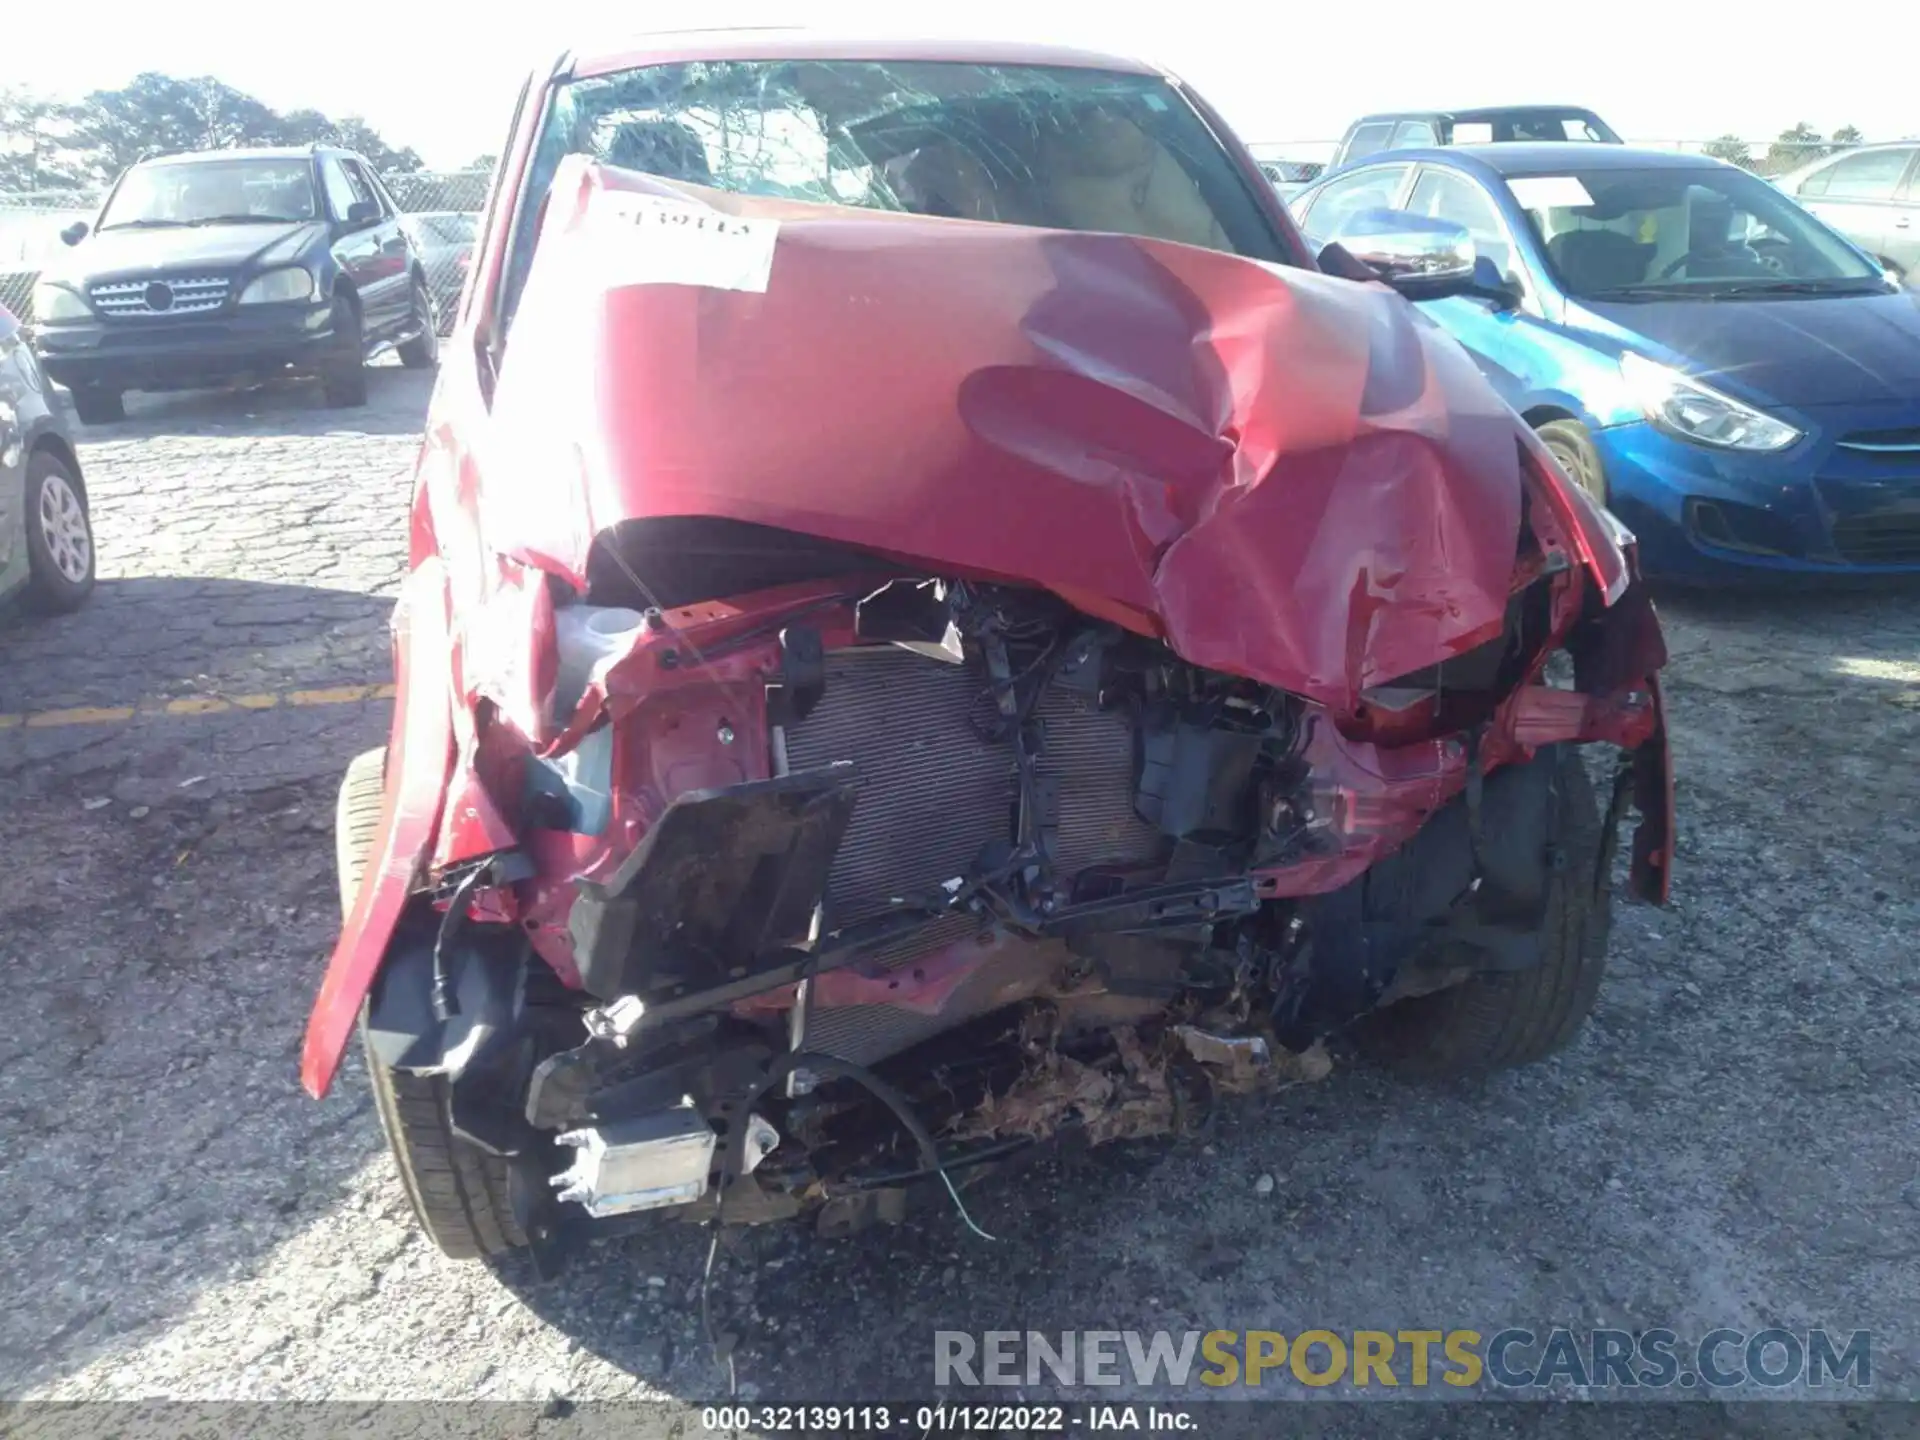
{"x":1698,"y":412}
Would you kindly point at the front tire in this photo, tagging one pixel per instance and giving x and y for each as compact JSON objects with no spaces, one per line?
{"x":344,"y":381}
{"x":60,"y":554}
{"x":423,"y":351}
{"x":457,"y":1190}
{"x":1570,"y":443}
{"x":1497,"y":1020}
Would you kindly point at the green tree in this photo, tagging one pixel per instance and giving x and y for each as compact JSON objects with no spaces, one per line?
{"x":1730,"y":148}
{"x":34,"y":142}
{"x":160,"y":114}
{"x":304,"y":127}
{"x":1795,"y":147}
{"x":1846,"y":137}
{"x":353,"y":133}
{"x":482,"y":163}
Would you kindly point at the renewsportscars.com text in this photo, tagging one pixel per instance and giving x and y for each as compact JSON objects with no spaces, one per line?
{"x":1512,"y":1358}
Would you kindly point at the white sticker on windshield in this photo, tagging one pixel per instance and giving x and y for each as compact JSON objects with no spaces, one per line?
{"x":1549,"y":192}
{"x":652,"y":240}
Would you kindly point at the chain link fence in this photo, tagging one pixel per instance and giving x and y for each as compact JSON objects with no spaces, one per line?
{"x":440,"y":212}
{"x":1763,"y":157}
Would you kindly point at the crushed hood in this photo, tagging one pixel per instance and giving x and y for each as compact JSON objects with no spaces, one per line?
{"x":1287,"y":476}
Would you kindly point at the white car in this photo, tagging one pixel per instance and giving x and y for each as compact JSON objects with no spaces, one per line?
{"x":1871,"y":195}
{"x":46,"y":536}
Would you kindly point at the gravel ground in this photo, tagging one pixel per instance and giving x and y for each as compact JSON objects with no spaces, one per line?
{"x":1730,"y":1144}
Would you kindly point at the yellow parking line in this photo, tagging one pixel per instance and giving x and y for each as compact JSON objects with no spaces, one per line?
{"x":80,"y":715}
{"x":193,"y":705}
{"x":338,"y":695}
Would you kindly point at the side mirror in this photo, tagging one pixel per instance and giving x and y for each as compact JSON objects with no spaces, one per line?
{"x":1422,"y":258}
{"x":362,"y":212}
{"x":1489,"y":284}
{"x":75,"y":233}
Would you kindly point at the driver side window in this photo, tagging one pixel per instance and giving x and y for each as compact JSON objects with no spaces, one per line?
{"x":1339,"y":200}
{"x":1443,"y":195}
{"x":1871,"y":175}
{"x":340,"y":196}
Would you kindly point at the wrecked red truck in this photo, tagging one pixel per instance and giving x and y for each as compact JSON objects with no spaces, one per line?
{"x":934,"y":622}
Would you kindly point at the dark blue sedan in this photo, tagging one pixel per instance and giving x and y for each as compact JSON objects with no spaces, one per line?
{"x":1738,"y":383}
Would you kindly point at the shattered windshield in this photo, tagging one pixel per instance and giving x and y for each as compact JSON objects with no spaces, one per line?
{"x":1064,"y":148}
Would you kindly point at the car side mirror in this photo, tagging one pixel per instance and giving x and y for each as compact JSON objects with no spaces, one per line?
{"x":75,"y":233}
{"x":1489,"y":284}
{"x":362,"y":212}
{"x":1421,"y":257}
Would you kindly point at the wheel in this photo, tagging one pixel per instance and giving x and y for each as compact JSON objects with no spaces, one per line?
{"x":96,"y":406}
{"x":1497,"y":1020}
{"x":1569,"y":443}
{"x":423,"y":351}
{"x":59,"y":536}
{"x":345,"y":378}
{"x":457,"y":1190}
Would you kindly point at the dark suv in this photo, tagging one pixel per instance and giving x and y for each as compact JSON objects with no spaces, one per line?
{"x":1497,"y":124}
{"x":233,"y":265}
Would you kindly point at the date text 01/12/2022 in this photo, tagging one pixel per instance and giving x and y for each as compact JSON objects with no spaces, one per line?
{"x":941,"y":1419}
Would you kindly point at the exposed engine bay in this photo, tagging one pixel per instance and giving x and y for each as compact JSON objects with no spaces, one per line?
{"x":929,"y":870}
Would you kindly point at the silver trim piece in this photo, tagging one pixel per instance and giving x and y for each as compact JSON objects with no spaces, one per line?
{"x":186,"y":295}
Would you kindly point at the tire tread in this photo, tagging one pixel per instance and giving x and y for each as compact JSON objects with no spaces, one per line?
{"x":1499,"y":1020}
{"x":459,"y":1193}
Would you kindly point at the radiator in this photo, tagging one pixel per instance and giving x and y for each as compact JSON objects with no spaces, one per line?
{"x":933,"y":794}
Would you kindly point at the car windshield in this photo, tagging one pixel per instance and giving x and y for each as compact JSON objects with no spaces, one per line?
{"x":1065,"y":148}
{"x":1507,"y":126}
{"x":1661,"y":233}
{"x":214,"y":192}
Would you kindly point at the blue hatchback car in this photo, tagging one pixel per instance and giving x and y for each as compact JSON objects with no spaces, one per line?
{"x":1738,"y":383}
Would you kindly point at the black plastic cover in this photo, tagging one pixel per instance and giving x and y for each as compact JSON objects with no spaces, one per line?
{"x":1194,"y":777}
{"x":716,"y":888}
{"x":803,"y":676}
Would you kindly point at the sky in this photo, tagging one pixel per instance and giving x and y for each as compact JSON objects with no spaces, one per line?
{"x":443,"y":80}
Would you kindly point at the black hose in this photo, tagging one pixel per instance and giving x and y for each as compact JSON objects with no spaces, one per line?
{"x":445,"y":1006}
{"x":736,"y":1163}
{"x":985,"y":1155}
{"x":834,"y":1067}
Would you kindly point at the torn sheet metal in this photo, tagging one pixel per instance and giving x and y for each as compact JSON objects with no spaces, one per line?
{"x":1286,"y":476}
{"x":1243,"y":1064}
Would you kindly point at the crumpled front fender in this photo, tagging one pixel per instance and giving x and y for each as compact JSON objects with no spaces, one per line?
{"x":419,"y":764}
